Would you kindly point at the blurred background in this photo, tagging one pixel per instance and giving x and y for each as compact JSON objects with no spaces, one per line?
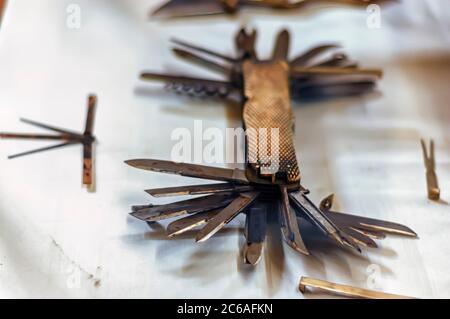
{"x":57,"y":240}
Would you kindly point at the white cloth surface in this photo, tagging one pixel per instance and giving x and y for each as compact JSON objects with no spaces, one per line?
{"x":57,"y":240}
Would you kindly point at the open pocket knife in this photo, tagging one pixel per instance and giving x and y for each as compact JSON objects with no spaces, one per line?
{"x":271,"y":180}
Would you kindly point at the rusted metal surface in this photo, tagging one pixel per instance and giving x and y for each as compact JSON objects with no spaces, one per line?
{"x":186,"y":8}
{"x":344,"y":290}
{"x":265,"y":89}
{"x":67,"y":138}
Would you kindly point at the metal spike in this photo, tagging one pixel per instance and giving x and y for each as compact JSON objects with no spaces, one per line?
{"x":39,"y":150}
{"x":186,"y":55}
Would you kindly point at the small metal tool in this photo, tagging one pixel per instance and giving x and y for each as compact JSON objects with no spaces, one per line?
{"x":434,"y":192}
{"x":187,"y":8}
{"x":345,"y":291}
{"x":86,"y":139}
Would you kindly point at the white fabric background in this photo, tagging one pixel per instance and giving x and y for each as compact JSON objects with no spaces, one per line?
{"x":57,"y":240}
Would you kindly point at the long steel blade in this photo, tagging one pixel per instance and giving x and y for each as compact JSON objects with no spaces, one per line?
{"x":185,"y":224}
{"x":370,"y":224}
{"x":281,"y":50}
{"x":331,"y":71}
{"x":332,"y":90}
{"x":289,"y":224}
{"x":226,"y":215}
{"x":345,"y":291}
{"x":190,"y":206}
{"x":191,"y":170}
{"x":198,"y":190}
{"x":320,"y":220}
{"x":183,"y":8}
{"x":205,"y":51}
{"x":39,"y":150}
{"x":197,"y":59}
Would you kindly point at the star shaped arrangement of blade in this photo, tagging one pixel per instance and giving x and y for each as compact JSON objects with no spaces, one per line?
{"x":265,"y":88}
{"x":192,"y":8}
{"x":66,"y":138}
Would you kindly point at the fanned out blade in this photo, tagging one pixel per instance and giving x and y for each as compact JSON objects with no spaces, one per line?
{"x":371,"y":234}
{"x":239,"y":204}
{"x":255,"y":233}
{"x":191,"y":170}
{"x":185,"y":224}
{"x":332,"y":71}
{"x":183,"y":8}
{"x":92,"y":102}
{"x":190,"y":206}
{"x":360,"y":238}
{"x":289,"y":224}
{"x":337,"y":60}
{"x":311,"y":92}
{"x":87,"y":164}
{"x":205,"y":51}
{"x":198,"y":190}
{"x":201,"y":61}
{"x":49,"y":127}
{"x":43,"y":149}
{"x":370,"y":224}
{"x":281,"y":50}
{"x":310,"y":55}
{"x":304,"y":206}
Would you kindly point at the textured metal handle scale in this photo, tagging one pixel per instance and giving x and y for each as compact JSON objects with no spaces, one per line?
{"x":267,"y":108}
